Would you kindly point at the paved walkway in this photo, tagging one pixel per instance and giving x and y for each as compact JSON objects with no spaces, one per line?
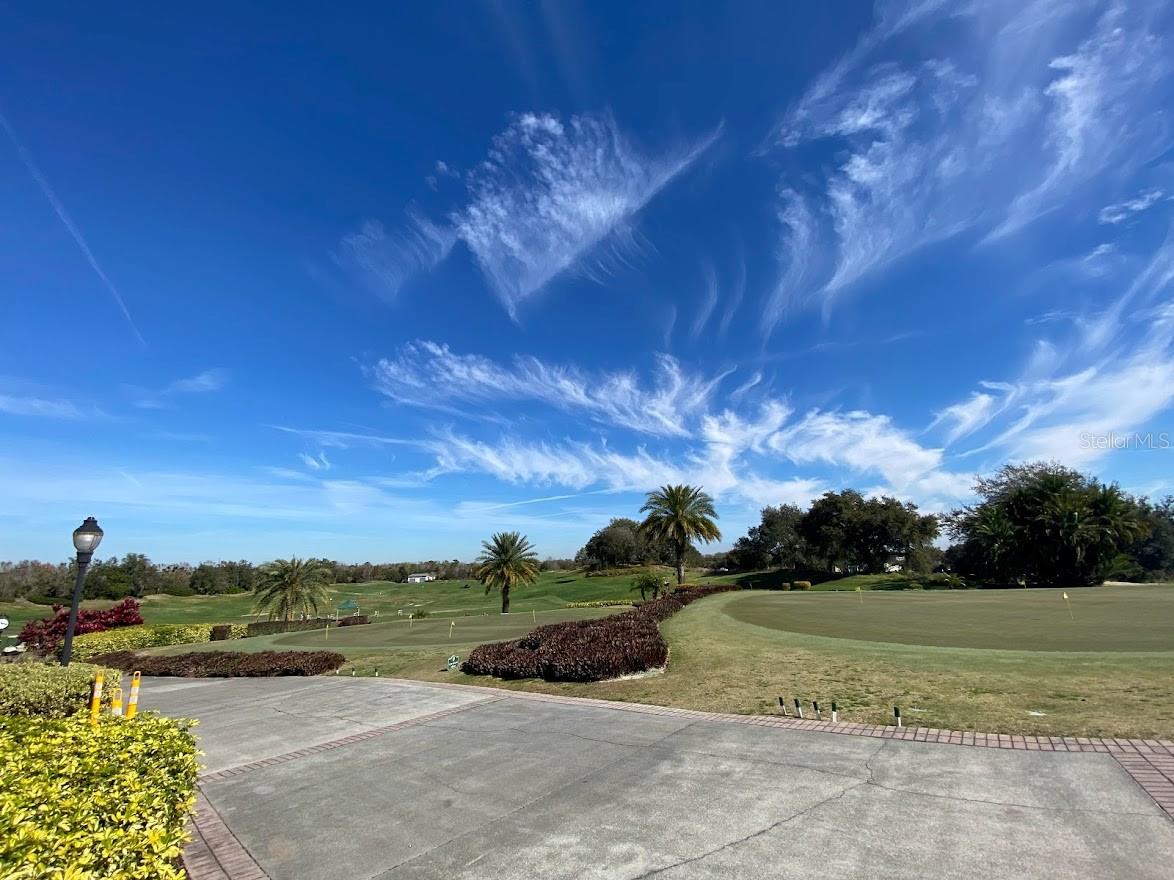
{"x":377,"y":778}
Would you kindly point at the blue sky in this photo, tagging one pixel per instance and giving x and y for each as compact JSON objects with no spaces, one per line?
{"x":374,"y":282}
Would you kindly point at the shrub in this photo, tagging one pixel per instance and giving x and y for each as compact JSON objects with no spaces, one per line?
{"x":131,"y":638}
{"x":786,"y":585}
{"x":942,"y":581}
{"x":588,"y":650}
{"x":38,"y":599}
{"x":47,"y":690}
{"x":272,"y":627}
{"x":227,"y":664}
{"x":800,"y":585}
{"x":629,"y":570}
{"x":600,"y":603}
{"x":182,"y":590}
{"x":85,"y":802}
{"x":46,"y":635}
{"x":223,"y":632}
{"x":420,"y":613}
{"x":354,"y":620}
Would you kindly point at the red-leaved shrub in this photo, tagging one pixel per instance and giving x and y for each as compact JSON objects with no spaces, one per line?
{"x":588,"y":650}
{"x":46,"y":635}
{"x":354,"y":620}
{"x":225,"y":664}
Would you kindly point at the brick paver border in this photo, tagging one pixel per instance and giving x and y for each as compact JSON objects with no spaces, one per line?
{"x":216,"y":854}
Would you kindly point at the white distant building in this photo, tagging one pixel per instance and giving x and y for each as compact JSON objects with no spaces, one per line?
{"x":420,"y":578}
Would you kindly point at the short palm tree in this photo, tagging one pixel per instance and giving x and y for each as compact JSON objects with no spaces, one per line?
{"x":507,"y":560}
{"x":288,"y":585}
{"x":680,"y":515}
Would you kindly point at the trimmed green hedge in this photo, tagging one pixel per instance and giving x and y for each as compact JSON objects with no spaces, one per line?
{"x":270,"y":627}
{"x":95,"y":803}
{"x":30,"y":687}
{"x":223,"y":632}
{"x":133,"y":638}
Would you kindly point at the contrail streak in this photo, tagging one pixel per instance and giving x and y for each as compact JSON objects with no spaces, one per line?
{"x":65,"y":219}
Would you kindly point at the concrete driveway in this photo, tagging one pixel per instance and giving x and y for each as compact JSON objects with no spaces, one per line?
{"x":341,"y":778}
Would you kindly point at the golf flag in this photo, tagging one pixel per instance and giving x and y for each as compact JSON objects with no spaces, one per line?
{"x":1065,"y":597}
{"x":1068,"y":605}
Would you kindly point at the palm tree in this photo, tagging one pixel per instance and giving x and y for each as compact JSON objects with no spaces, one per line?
{"x":507,"y":561}
{"x":288,"y":585}
{"x":679,"y":515}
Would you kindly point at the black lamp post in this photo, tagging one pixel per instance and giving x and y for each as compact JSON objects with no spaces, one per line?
{"x":86,"y":539}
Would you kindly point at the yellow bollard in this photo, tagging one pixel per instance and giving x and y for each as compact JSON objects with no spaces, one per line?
{"x":132,"y":706}
{"x":116,"y":700}
{"x":96,"y":696}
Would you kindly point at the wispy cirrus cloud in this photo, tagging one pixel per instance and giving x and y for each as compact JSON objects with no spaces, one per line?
{"x":1122,"y":211}
{"x":551,"y":191}
{"x":317,"y":462}
{"x":205,"y":382}
{"x":39,"y":406}
{"x":429,"y":374}
{"x":1113,"y":372}
{"x":1008,"y":112}
{"x":866,"y":443}
{"x":553,"y":195}
{"x":386,"y":261}
{"x":967,"y":416}
{"x":343,"y":439}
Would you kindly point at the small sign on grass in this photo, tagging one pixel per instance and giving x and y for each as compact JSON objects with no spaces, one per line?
{"x":454,"y":662}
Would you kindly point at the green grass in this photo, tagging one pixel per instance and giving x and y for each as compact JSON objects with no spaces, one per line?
{"x":553,"y":590}
{"x":1110,"y":618}
{"x":404,"y":634}
{"x":722,"y":664}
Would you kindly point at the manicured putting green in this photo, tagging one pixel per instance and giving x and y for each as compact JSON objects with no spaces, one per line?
{"x":1109,"y":618}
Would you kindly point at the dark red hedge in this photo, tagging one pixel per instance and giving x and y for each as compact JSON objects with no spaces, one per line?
{"x":588,"y":650}
{"x":45,"y":635}
{"x":354,"y":620}
{"x":225,"y":664}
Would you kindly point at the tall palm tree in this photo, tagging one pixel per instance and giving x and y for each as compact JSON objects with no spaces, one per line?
{"x":680,"y":515}
{"x":288,"y":585}
{"x":507,"y":560}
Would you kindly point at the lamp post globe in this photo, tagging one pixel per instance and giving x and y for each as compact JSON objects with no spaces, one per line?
{"x":86,"y":539}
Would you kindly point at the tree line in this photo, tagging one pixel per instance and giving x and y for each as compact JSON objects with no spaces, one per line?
{"x":136,"y":575}
{"x":1039,"y":524}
